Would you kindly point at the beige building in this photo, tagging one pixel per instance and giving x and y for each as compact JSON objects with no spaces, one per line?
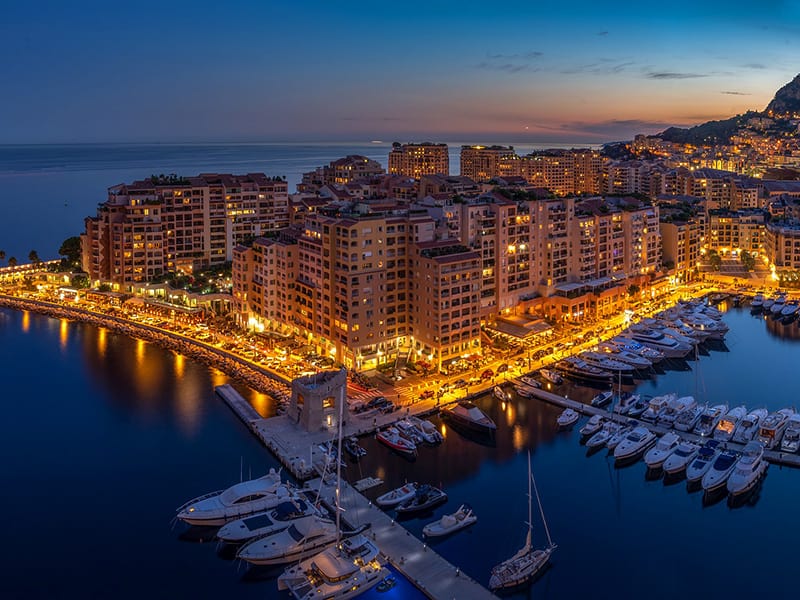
{"x":416,"y":160}
{"x":482,"y":163}
{"x":564,"y":172}
{"x":736,"y":230}
{"x":341,"y":171}
{"x":681,"y":242}
{"x":782,"y":245}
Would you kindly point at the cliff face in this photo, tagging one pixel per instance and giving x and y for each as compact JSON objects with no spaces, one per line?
{"x":786,"y":100}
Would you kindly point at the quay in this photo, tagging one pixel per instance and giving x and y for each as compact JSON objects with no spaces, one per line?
{"x":773,"y":456}
{"x":239,"y":405}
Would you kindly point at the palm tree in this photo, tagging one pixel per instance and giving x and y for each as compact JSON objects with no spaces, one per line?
{"x":12,"y":262}
{"x":33,"y":257}
{"x":2,"y":254}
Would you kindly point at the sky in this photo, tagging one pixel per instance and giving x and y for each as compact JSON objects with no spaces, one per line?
{"x":294,"y":70}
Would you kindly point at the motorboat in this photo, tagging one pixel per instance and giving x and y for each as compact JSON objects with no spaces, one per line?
{"x":709,"y":419}
{"x":303,"y":538}
{"x":468,"y":415}
{"x":703,"y":461}
{"x":748,"y":470}
{"x":639,"y":407}
{"x":523,"y":391}
{"x":791,"y":435}
{"x":397,"y":495}
{"x":592,"y":426}
{"x":717,"y":476}
{"x":602,"y":360}
{"x":666,"y":445}
{"x":577,"y":368}
{"x":463,"y":517}
{"x":528,"y":561}
{"x":637,"y":361}
{"x":499,"y":393}
{"x":634,"y":444}
{"x":766,"y":305}
{"x":392,"y":438}
{"x":675,"y":407}
{"x":778,"y":305}
{"x":265,"y":523}
{"x":670,"y":347}
{"x":726,"y":426}
{"x":428,"y":431}
{"x":749,"y":426}
{"x":240,"y":500}
{"x":624,"y":343}
{"x":530,"y":381}
{"x":409,"y":431}
{"x":552,"y":376}
{"x":425,"y":497}
{"x":772,"y":427}
{"x":626,"y":402}
{"x":681,"y":457}
{"x":687,"y":420}
{"x":621,"y":434}
{"x":353,"y":448}
{"x":790,"y":308}
{"x":603,"y":398}
{"x":601,"y":437}
{"x":656,"y":406}
{"x":568,"y":418}
{"x":345,"y":570}
{"x":757,"y":303}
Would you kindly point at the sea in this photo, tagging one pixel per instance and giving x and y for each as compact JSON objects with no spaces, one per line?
{"x":103,"y":436}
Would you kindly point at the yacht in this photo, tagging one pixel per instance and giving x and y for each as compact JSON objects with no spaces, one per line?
{"x":265,"y":523}
{"x":757,"y":303}
{"x":607,"y":431}
{"x":499,"y":393}
{"x":766,"y":306}
{"x":665,"y":446}
{"x":621,"y":434}
{"x":630,"y":345}
{"x":656,"y":406}
{"x":680,"y":458}
{"x":392,"y":438}
{"x":530,"y":381}
{"x":602,"y":360}
{"x":676,"y":407}
{"x":791,"y":435}
{"x":568,"y":418}
{"x":626,"y":401}
{"x":345,"y":570}
{"x":657,"y":340}
{"x":552,"y":376}
{"x":790,"y":309}
{"x":637,"y":361}
{"x":636,"y":442}
{"x":592,"y":426}
{"x":778,"y":305}
{"x":523,"y":391}
{"x":409,"y":431}
{"x":240,"y":500}
{"x":748,"y":470}
{"x":463,"y":517}
{"x":709,"y":419}
{"x":303,"y":538}
{"x":397,"y":496}
{"x":639,"y":406}
{"x":749,"y":426}
{"x":425,"y":497}
{"x":703,"y":461}
{"x":428,"y":431}
{"x":687,"y":420}
{"x":353,"y":448}
{"x":772,"y":427}
{"x":727,"y":425}
{"x":580,"y":369}
{"x":720,"y":470}
{"x":603,"y":398}
{"x":466,"y":414}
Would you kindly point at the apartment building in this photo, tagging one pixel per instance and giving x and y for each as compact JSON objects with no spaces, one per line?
{"x":564,"y":172}
{"x":165,"y":224}
{"x":341,"y":171}
{"x":416,"y":160}
{"x":681,"y":242}
{"x":482,"y":163}
{"x":782,"y":244}
{"x":736,"y":230}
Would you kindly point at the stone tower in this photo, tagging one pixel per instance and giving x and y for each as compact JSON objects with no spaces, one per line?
{"x":315,"y":400}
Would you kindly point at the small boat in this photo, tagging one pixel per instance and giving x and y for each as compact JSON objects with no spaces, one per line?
{"x":656,"y":406}
{"x":703,"y":461}
{"x":626,"y":402}
{"x":634,"y":444}
{"x":523,"y":391}
{"x":717,"y":476}
{"x":726,"y":426}
{"x":623,"y":432}
{"x":601,"y":437}
{"x":680,"y":458}
{"x":748,"y":470}
{"x":425,"y":497}
{"x":687,"y":420}
{"x":748,"y":427}
{"x":675,"y":407}
{"x":639,"y":407}
{"x":470,"y":416}
{"x":709,"y":419}
{"x":397,"y":495}
{"x":352,"y":447}
{"x":601,"y":360}
{"x":530,"y":381}
{"x":386,"y":584}
{"x":265,"y":523}
{"x":552,"y":376}
{"x":772,"y":427}
{"x":463,"y":517}
{"x":428,"y":431}
{"x":592,"y":426}
{"x":665,"y":446}
{"x":409,"y":431}
{"x":568,"y":418}
{"x":791,"y":435}
{"x":757,"y":303}
{"x":499,"y":393}
{"x":574,"y":367}
{"x":391,"y":437}
{"x":602,"y":398}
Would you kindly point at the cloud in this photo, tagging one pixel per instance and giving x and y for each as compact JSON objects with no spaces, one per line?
{"x":604,"y":66}
{"x":522,"y":56}
{"x":602,"y":33}
{"x":506,"y":67}
{"x":754,"y":66}
{"x":659,"y":75}
{"x":731,"y":93}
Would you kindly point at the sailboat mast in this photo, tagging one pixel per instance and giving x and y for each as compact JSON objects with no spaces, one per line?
{"x":529,"y":539}
{"x":541,"y":510}
{"x":342,"y":400}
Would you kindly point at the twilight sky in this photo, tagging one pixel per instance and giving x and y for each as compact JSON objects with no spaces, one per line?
{"x":282,"y":70}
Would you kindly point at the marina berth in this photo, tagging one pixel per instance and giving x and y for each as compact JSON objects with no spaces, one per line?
{"x":634,"y":444}
{"x":639,"y":406}
{"x":463,"y":517}
{"x":791,"y":435}
{"x":683,"y":455}
{"x":523,"y":391}
{"x":621,"y":434}
{"x":703,"y":461}
{"x":665,"y":446}
{"x":748,"y":470}
{"x":709,"y":419}
{"x":265,"y":523}
{"x":409,"y":431}
{"x":397,"y":496}
{"x":428,"y":431}
{"x":601,"y":437}
{"x":717,"y":476}
{"x":626,"y":401}
{"x":726,"y":426}
{"x":656,"y":406}
{"x":773,"y":426}
{"x":749,"y":426}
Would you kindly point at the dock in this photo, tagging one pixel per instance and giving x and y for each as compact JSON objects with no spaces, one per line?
{"x":427,"y":570}
{"x":241,"y":407}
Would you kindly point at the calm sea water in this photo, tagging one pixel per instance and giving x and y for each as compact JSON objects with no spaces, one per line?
{"x":46,"y":191}
{"x":104,"y":436}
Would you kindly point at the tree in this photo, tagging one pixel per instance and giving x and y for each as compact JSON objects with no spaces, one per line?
{"x":71,"y":250}
{"x":2,"y":254}
{"x":715,"y":260}
{"x":747,"y":260}
{"x":633,"y":289}
{"x":33,"y":257}
{"x":12,"y":262}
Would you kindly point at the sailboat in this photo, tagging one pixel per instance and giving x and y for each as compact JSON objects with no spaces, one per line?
{"x":527,"y":562}
{"x":345,"y":570}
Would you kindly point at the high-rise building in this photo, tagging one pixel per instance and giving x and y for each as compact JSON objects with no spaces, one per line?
{"x":564,"y":172}
{"x":482,"y":163}
{"x":416,"y":160}
{"x":341,"y":171}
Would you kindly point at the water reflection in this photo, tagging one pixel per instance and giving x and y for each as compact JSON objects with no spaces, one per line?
{"x":101,"y":341}
{"x":63,"y":334}
{"x":26,"y":321}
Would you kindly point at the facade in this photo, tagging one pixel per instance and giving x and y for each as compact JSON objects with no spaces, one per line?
{"x":782,"y":244}
{"x":416,"y":160}
{"x":681,"y":242}
{"x":736,"y":230}
{"x":564,"y":172}
{"x":482,"y":163}
{"x":161,"y":225}
{"x":341,"y":171}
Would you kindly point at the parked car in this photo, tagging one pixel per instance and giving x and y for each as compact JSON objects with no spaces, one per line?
{"x":502,"y":368}
{"x":487,"y":374}
{"x":426,"y":394}
{"x":460,"y":383}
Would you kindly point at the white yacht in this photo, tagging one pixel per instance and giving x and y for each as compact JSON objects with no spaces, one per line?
{"x":656,"y":406}
{"x":530,"y":381}
{"x":343,"y":571}
{"x":635,"y":360}
{"x":638,"y":407}
{"x":397,"y":496}
{"x":240,"y":500}
{"x":626,"y":401}
{"x":265,"y":523}
{"x":757,"y":303}
{"x":749,"y":426}
{"x":709,"y":419}
{"x":621,"y":434}
{"x":601,"y":437}
{"x":772,"y":427}
{"x":791,"y":435}
{"x":631,"y":345}
{"x":674,"y":408}
{"x":568,"y":418}
{"x":602,"y":360}
{"x":303,"y":538}
{"x":778,"y":304}
{"x":726,"y":426}
{"x":680,"y":458}
{"x":790,"y":308}
{"x":552,"y":376}
{"x":499,"y":393}
{"x":687,"y":420}
{"x":426,"y":429}
{"x":748,"y":470}
{"x":720,"y":470}
{"x":666,"y":445}
{"x":657,"y":340}
{"x":592,"y":426}
{"x":636,"y":442}
{"x":463,"y":517}
{"x":603,"y":398}
{"x":703,"y":461}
